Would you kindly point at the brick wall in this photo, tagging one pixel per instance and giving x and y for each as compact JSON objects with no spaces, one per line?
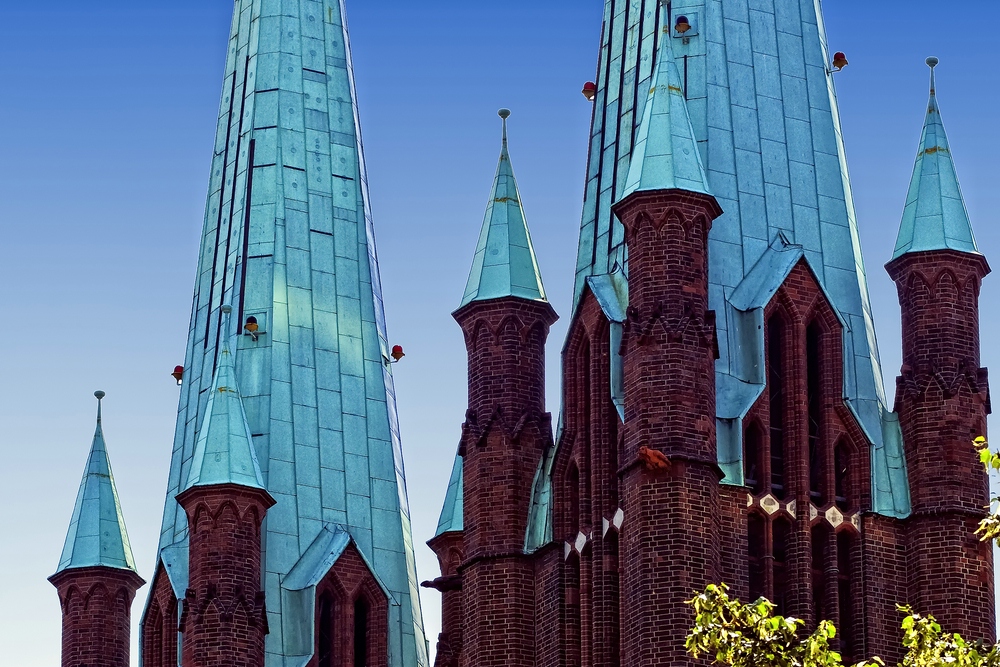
{"x":669,"y":540}
{"x":504,"y":436}
{"x":96,"y":615}
{"x":223,"y":619}
{"x":159,"y":626}
{"x":942,"y":397}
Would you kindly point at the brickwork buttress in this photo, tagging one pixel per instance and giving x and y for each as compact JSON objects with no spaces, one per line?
{"x":96,"y":615}
{"x":669,"y":539}
{"x":505,"y":434}
{"x":224,"y":620}
{"x":942,"y":397}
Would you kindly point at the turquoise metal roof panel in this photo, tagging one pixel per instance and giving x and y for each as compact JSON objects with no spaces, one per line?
{"x":97,"y":536}
{"x":289,"y":238}
{"x":175,"y":560}
{"x":452,"y":513}
{"x":666,"y":154}
{"x":224,"y":453}
{"x":762,"y":106}
{"x":935,"y":217}
{"x":504,"y":263}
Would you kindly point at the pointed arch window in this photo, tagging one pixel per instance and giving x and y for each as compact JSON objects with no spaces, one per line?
{"x":757,"y":552}
{"x":573,"y":501}
{"x":820,"y":558}
{"x":842,"y":475}
{"x":814,"y":392}
{"x":776,"y":396}
{"x":325,"y":635}
{"x":361,"y":632}
{"x":753,"y":464}
{"x":845,"y":571}
{"x":780,"y":543}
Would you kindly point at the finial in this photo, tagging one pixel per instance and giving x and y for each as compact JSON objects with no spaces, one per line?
{"x":99,"y":395}
{"x":932,"y":63}
{"x":504,"y":115}
{"x":226,"y":311}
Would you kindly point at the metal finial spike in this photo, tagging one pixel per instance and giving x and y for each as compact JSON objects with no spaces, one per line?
{"x":99,"y":395}
{"x":226,"y":312}
{"x":932,"y":63}
{"x":504,"y":115}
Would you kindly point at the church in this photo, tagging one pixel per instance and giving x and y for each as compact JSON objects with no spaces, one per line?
{"x":722,"y":419}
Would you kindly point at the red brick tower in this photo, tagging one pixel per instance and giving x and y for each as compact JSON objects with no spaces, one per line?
{"x":505,"y":318}
{"x":941,"y":394}
{"x":224,"y":619}
{"x":96,"y":578}
{"x":669,"y":471}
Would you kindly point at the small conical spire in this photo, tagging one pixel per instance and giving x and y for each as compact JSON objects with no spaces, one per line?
{"x":666,"y":154}
{"x":97,"y":535}
{"x":935,"y":217}
{"x":505,"y":263}
{"x":224,"y":453}
{"x":452,"y":513}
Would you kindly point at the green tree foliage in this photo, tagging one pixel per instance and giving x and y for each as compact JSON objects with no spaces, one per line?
{"x":750,"y":635}
{"x":989,"y":528}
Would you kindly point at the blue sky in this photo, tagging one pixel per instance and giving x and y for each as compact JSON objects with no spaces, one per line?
{"x":107,"y":117}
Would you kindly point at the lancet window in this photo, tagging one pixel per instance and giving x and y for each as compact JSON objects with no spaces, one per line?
{"x":793,"y":456}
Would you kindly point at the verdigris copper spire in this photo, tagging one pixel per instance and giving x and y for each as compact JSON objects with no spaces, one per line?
{"x":288,"y":239}
{"x":666,"y":155}
{"x":97,"y":535}
{"x":224,"y":453}
{"x":504,"y":263}
{"x":935,"y":217}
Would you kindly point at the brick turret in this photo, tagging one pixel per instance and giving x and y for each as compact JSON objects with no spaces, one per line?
{"x":505,"y":318}
{"x":224,"y":620}
{"x":941,"y":394}
{"x":96,"y":578}
{"x":669,"y":539}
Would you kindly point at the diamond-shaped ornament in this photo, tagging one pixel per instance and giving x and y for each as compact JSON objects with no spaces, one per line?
{"x":605,"y":527}
{"x":813,"y":512}
{"x":791,"y":507}
{"x":749,"y":500}
{"x":770,"y":504}
{"x":834,"y":516}
{"x":618,"y":519}
{"x":581,"y":542}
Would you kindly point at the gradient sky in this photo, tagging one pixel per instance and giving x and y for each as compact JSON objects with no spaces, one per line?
{"x":107,"y":117}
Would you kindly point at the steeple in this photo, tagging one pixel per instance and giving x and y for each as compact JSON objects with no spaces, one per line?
{"x":97,"y":535}
{"x":504,"y":263}
{"x":935,"y":217}
{"x":289,"y":240}
{"x":224,"y":453}
{"x":96,"y":577}
{"x":666,"y":155}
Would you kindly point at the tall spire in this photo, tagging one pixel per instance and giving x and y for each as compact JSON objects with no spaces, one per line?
{"x":504,"y":264}
{"x":935,"y":217}
{"x":666,"y":155}
{"x":225,"y":453}
{"x":289,"y":240}
{"x":97,"y":535}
